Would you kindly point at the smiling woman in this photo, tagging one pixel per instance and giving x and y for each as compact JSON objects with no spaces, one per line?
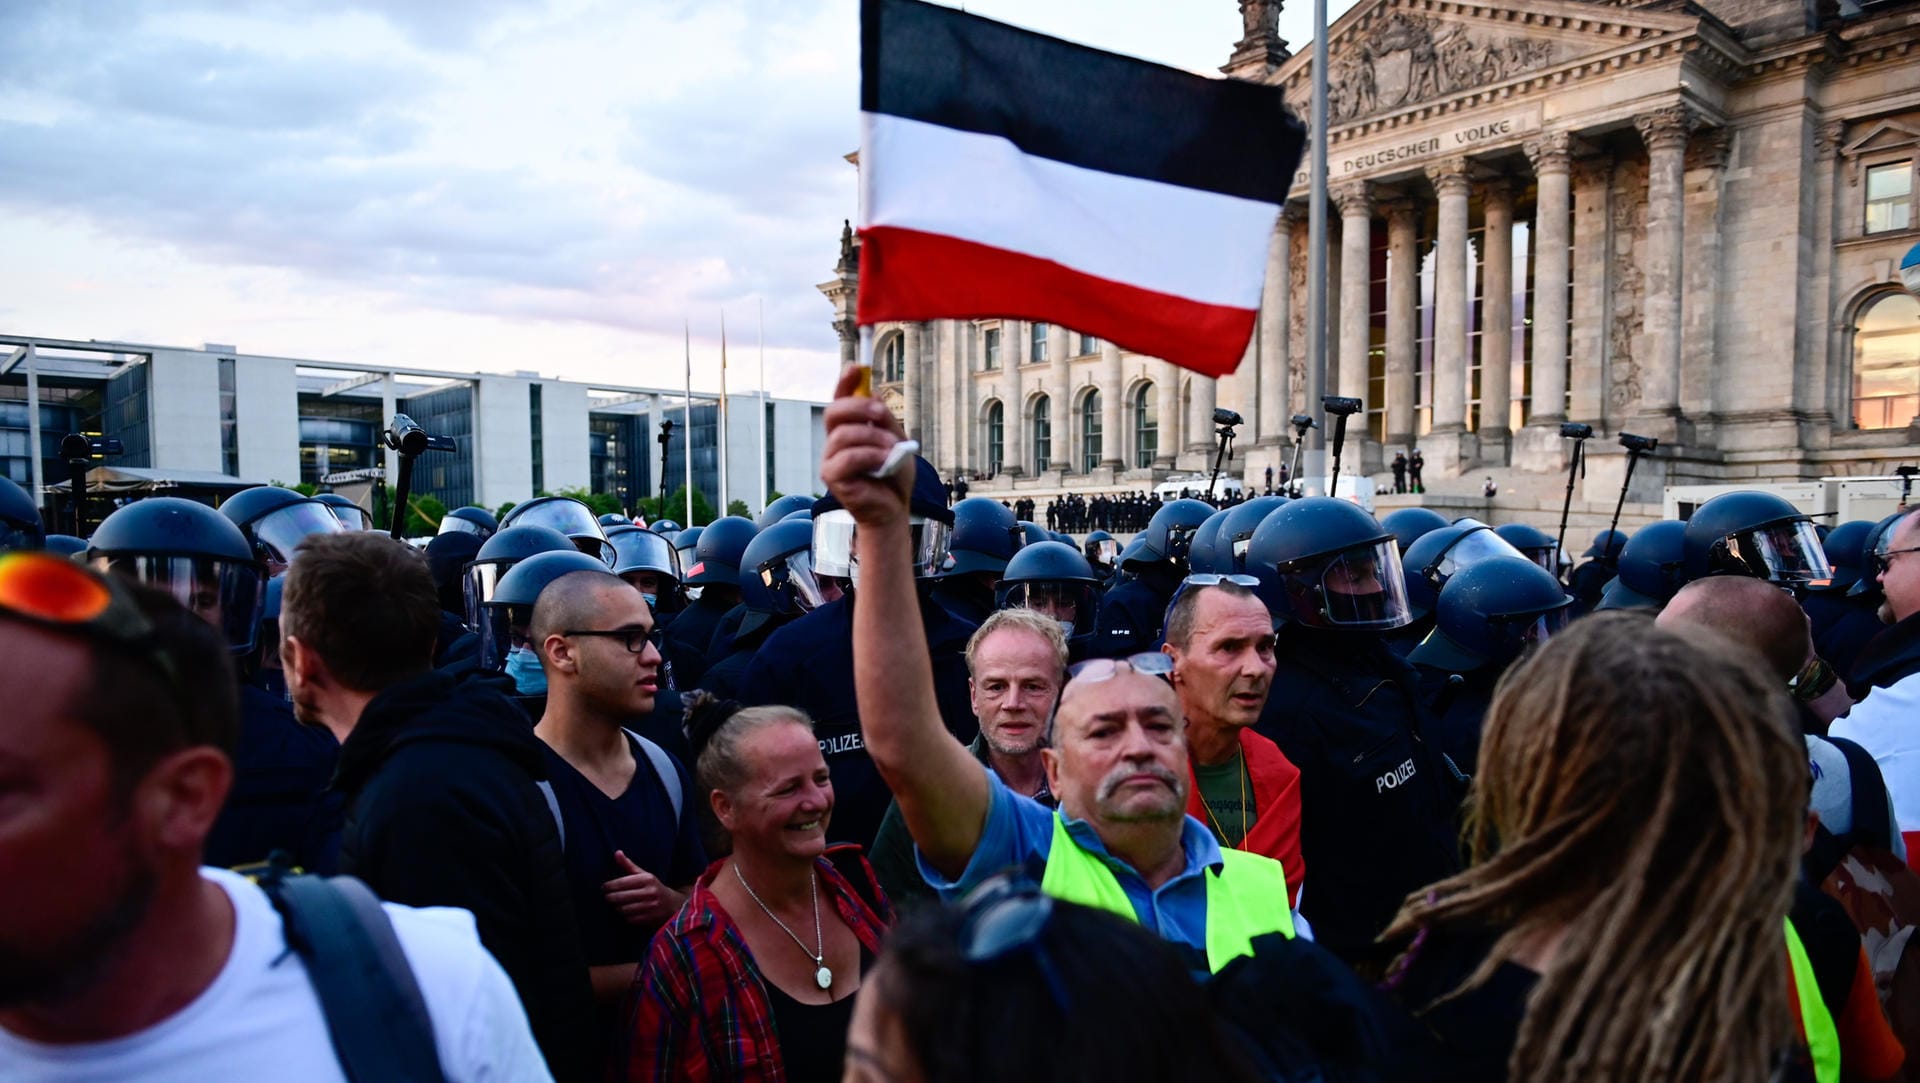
{"x":761,"y":965}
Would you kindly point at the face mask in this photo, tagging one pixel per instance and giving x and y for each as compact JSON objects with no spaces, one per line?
{"x":523,"y":666}
{"x":1066,"y":626}
{"x":653,"y":601}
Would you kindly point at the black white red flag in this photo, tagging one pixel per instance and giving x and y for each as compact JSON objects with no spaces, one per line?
{"x":1005,"y":173}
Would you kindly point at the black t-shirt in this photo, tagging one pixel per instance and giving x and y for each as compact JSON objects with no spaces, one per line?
{"x":813,"y":1037}
{"x":1473,"y":1033}
{"x":638,"y":823}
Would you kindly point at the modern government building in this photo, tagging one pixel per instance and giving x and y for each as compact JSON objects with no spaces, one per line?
{"x":1680,"y":220}
{"x":212,"y":418}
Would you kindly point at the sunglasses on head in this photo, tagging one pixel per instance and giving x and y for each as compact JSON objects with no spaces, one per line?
{"x":54,"y":592}
{"x":1151,"y":663}
{"x":1004,"y":918}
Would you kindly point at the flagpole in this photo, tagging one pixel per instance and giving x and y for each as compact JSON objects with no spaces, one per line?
{"x":724,"y":505}
{"x":1317,"y":251}
{"x":686,"y":450}
{"x":761,"y":460}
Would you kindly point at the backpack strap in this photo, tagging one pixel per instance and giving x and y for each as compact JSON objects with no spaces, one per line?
{"x":553,"y":806}
{"x":1869,"y":791}
{"x":375,"y":1014}
{"x":664,"y":766}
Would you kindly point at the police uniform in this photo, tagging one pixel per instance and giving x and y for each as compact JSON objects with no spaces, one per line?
{"x":689,"y":640}
{"x":1130,"y":616}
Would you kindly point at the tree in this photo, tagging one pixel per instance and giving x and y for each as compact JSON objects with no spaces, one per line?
{"x":739,"y":507}
{"x":423,"y":516}
{"x":601,"y":503}
{"x":306,"y":488}
{"x":676,"y":508}
{"x":501,"y":513}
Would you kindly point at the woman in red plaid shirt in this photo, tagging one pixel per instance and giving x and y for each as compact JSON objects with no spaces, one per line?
{"x":754,"y":978}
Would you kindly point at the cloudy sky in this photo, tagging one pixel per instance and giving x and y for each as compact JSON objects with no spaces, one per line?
{"x":553,"y":185}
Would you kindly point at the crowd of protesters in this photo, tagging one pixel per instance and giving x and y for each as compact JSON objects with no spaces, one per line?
{"x":890,"y":785}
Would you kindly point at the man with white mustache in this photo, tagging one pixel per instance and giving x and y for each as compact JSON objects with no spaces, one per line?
{"x":1115,"y":755}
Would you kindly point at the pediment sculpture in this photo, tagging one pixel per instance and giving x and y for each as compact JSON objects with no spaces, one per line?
{"x":1408,"y":59}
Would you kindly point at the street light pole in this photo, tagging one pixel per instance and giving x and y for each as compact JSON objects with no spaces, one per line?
{"x":665,"y":438}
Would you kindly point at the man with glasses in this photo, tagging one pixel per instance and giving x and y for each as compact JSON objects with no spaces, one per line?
{"x":1883,"y":722}
{"x":632,"y":851}
{"x":1220,"y":638}
{"x":440,"y":775}
{"x":1115,"y":755}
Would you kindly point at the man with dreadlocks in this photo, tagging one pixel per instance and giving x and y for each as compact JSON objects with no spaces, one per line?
{"x":1635,"y":832}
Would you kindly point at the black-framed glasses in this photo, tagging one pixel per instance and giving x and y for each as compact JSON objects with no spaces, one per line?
{"x":634,"y":639}
{"x":1151,"y":663}
{"x":1004,"y":918}
{"x":1880,"y":562}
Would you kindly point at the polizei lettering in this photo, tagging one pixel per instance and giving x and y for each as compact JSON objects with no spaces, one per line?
{"x":1394,"y":778}
{"x":847,"y":742}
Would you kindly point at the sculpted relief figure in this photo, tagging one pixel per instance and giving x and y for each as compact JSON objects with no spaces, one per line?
{"x":1408,"y":59}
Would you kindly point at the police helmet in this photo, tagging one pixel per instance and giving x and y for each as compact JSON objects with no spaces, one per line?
{"x":275,"y":521}
{"x":1207,"y":550}
{"x":684,"y":544}
{"x":664,"y":527}
{"x":1754,"y":534}
{"x":1491,"y":613}
{"x":776,"y":570}
{"x":1336,"y":566}
{"x":470,"y":520}
{"x":67,"y":546}
{"x":1236,"y":530}
{"x":638,"y":552}
{"x":1408,"y":525}
{"x":804,"y":515}
{"x":1535,"y":544}
{"x":1845,"y":545}
{"x":20,"y":526}
{"x":504,"y":618}
{"x":931,"y":525}
{"x":1170,"y":532}
{"x":192,"y":552}
{"x":1470,"y":542}
{"x":500,"y":553}
{"x":569,"y":517}
{"x":716,"y":559}
{"x":1650,"y":567}
{"x":351,"y":515}
{"x":782,"y":508}
{"x":1101,"y":551}
{"x":985,"y":535}
{"x":1054,"y":579}
{"x":1607,"y":545}
{"x":1134,"y":554}
{"x":613,"y":519}
{"x":1033,"y":533}
{"x":1424,"y":552}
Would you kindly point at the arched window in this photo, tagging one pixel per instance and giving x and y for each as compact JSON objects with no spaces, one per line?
{"x":1037,"y":344}
{"x":1090,"y":432}
{"x":1146,"y":427}
{"x":1886,"y":362}
{"x":996,"y":437}
{"x":893,"y":359}
{"x":1042,"y":434}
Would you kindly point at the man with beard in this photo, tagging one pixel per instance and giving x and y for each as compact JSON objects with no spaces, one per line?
{"x":1220,"y":638}
{"x":1015,"y":663}
{"x":1115,"y":756}
{"x":120,"y":956}
{"x":1882,"y":723}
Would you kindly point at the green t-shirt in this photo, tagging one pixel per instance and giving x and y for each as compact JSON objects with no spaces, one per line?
{"x":1228,"y":793}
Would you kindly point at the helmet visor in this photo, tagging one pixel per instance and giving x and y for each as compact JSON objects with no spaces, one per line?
{"x":1788,"y":552}
{"x":14,"y":536}
{"x":355,"y":517}
{"x":644,"y":551}
{"x":833,"y":544}
{"x":1530,"y":630}
{"x":791,"y":578}
{"x":1105,"y":551}
{"x":1068,"y":601}
{"x":500,"y":628}
{"x":1363,"y":588}
{"x":482,"y":579}
{"x":569,"y":517}
{"x":595,"y":546}
{"x":454,"y":524}
{"x":1473,"y":547}
{"x":226,"y":594}
{"x":279,"y":532}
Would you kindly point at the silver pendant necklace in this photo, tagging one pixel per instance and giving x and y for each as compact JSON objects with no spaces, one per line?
{"x":823,"y":977}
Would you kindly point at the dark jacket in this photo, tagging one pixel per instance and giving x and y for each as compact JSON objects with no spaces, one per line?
{"x":1457,"y":710}
{"x":809,"y":664}
{"x":1378,"y":804}
{"x":1888,"y":658}
{"x":444,"y":810}
{"x":278,"y":800}
{"x":1130,"y":617}
{"x":724,"y":677}
{"x":687,"y":642}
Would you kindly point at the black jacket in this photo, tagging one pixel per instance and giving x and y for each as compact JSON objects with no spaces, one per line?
{"x":444,"y":811}
{"x":1889,"y":657}
{"x":278,"y":800}
{"x":687,"y":642}
{"x":1130,"y":616}
{"x":1378,"y":804}
{"x":724,"y":677}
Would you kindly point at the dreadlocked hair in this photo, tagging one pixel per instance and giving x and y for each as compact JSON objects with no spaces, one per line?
{"x":1643,"y":796}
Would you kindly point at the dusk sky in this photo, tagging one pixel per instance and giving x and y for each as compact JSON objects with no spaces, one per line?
{"x":489,"y":184}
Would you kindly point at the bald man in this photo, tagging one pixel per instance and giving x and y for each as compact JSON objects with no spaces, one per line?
{"x":1766,"y":618}
{"x":631,"y":854}
{"x":1116,"y":754}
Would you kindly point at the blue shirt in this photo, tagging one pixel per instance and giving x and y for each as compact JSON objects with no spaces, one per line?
{"x":1019,"y":833}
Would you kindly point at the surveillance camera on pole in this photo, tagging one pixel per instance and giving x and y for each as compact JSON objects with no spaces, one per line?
{"x":1576,"y":467}
{"x":406,"y":437}
{"x":1301,"y":423}
{"x":1342,"y":408}
{"x":1226,"y":420}
{"x":79,"y":450}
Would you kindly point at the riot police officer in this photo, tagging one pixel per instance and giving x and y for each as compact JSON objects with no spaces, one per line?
{"x":1207,"y":552}
{"x":1131,"y":613}
{"x":490,"y":651}
{"x":1408,"y":525}
{"x":351,"y":515}
{"x":1843,"y":619}
{"x":1649,"y":571}
{"x":716,"y":571}
{"x":1600,"y":564}
{"x":985,"y":536}
{"x":20,"y":526}
{"x":1754,"y":534}
{"x":781,"y":508}
{"x":1103,"y":554}
{"x":1378,"y":803}
{"x":275,"y":521}
{"x":1535,"y":544}
{"x":1236,"y":530}
{"x":1488,"y":616}
{"x":647,"y":561}
{"x":777,"y":586}
{"x":470,"y":520}
{"x":569,"y":517}
{"x":1053,"y":579}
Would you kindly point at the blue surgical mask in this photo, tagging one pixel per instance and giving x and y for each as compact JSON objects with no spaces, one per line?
{"x":523,"y":666}
{"x":653,"y":600}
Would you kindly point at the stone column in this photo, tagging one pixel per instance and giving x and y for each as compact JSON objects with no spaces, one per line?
{"x":1552,"y":240}
{"x":849,"y":333}
{"x":1449,"y":448}
{"x":1275,"y":330}
{"x":1112,"y":407}
{"x":1066,"y":427}
{"x":913,"y":355}
{"x":1403,"y":308}
{"x":1199,"y":427}
{"x":1356,"y":235}
{"x":1166,"y":391}
{"x":1593,"y":258}
{"x":1665,"y":133}
{"x":1496,"y":324}
{"x":1013,"y":354}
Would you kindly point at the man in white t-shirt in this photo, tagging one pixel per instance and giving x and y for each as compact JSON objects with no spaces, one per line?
{"x":120,"y":957}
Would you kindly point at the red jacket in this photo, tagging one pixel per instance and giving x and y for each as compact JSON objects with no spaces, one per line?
{"x":1276,"y":801}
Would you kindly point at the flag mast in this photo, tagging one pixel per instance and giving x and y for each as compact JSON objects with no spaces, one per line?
{"x":686,"y":450}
